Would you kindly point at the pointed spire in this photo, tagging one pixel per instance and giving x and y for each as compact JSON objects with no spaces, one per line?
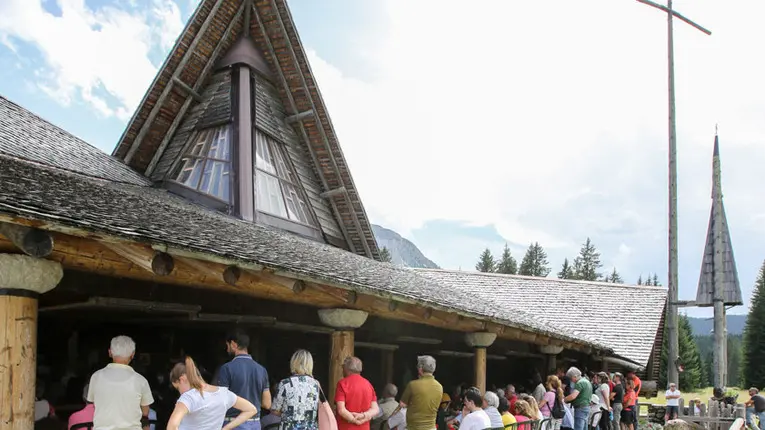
{"x":718,"y":239}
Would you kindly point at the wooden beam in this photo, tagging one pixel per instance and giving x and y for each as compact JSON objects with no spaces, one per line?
{"x":169,"y":86}
{"x":298,"y":117}
{"x":157,"y":262}
{"x":197,"y":87}
{"x":299,"y":286}
{"x":31,"y":241}
{"x":333,"y":193}
{"x":190,"y":91}
{"x":375,"y":345}
{"x":84,"y":253}
{"x":341,"y":347}
{"x":231,"y":275}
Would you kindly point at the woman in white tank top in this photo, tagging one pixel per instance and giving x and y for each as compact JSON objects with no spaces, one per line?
{"x":203,"y":406}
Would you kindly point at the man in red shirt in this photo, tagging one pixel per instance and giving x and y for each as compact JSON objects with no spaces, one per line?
{"x":355,"y":398}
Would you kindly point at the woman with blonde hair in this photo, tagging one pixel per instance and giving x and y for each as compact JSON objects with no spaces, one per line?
{"x":297,"y":397}
{"x":203,"y":406}
{"x":553,"y":396}
{"x":523,"y":414}
{"x":536,"y":414}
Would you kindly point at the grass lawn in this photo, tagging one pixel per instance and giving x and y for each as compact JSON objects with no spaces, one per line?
{"x":703,"y":395}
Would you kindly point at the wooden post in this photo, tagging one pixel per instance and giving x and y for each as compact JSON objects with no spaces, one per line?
{"x":480,"y":369}
{"x":480,"y":341}
{"x":341,"y":348}
{"x":388,"y":357}
{"x":344,"y":321}
{"x":22,"y":280}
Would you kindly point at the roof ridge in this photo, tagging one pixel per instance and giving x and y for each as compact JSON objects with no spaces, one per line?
{"x":539,"y":278}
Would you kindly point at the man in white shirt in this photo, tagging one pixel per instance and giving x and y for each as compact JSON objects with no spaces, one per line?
{"x":473,"y":417}
{"x":673,"y":401}
{"x":120,"y":395}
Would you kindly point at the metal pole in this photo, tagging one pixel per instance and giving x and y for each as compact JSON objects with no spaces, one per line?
{"x":672,"y":335}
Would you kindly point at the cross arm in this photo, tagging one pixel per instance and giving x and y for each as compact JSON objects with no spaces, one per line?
{"x":677,"y":15}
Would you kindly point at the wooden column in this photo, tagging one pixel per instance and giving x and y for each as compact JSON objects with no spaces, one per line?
{"x":387,"y":366}
{"x":341,"y":348}
{"x":480,"y":341}
{"x":480,"y":369}
{"x":344,"y":321}
{"x":22,"y":280}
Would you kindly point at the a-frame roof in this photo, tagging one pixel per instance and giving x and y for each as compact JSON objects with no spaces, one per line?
{"x":212,"y":30}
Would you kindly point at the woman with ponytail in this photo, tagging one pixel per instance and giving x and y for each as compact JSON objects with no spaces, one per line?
{"x":203,"y":406}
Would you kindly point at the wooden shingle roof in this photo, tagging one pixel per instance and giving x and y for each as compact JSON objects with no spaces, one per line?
{"x":624,"y":318}
{"x":214,"y":28}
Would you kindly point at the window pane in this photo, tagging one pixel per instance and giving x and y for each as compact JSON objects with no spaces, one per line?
{"x":263,"y":159}
{"x":199,"y":145}
{"x":294,"y":208}
{"x":220,"y":146}
{"x":190,"y":171}
{"x":269,"y":195}
{"x":200,"y":170}
{"x":215,"y":180}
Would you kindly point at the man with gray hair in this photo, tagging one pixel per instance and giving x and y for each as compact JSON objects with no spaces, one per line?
{"x":490,"y":405}
{"x":422,"y":397}
{"x":387,"y":404}
{"x":355,"y":398}
{"x":579,"y":398}
{"x":121,"y":396}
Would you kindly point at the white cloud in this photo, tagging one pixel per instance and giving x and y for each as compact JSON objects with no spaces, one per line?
{"x":100,"y":56}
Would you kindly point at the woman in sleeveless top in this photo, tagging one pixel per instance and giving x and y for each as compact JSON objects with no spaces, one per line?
{"x":203,"y":406}
{"x":297,"y":397}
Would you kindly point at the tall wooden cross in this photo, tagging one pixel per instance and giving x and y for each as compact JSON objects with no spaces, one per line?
{"x":672,"y":300}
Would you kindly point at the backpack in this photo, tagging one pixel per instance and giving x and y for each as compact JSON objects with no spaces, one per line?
{"x":557,"y":411}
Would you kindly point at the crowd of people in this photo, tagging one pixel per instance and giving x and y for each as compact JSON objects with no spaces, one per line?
{"x":241,"y":396}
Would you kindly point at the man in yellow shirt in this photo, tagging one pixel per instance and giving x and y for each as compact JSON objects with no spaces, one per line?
{"x":422,"y":396}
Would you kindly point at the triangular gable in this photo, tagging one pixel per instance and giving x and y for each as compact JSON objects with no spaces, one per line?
{"x":730,"y":282}
{"x":211,"y":32}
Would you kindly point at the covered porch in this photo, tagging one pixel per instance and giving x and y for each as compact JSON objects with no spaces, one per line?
{"x":175,"y":302}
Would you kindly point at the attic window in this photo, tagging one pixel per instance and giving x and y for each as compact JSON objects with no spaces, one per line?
{"x":207,"y":166}
{"x":276,"y":190}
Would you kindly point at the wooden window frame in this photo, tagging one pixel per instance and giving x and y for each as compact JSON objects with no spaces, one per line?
{"x":177,"y":186}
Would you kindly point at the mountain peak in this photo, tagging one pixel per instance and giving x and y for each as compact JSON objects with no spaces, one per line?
{"x":402,"y":251}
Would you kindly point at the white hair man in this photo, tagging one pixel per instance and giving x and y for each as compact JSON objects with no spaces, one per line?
{"x":579,"y":398}
{"x":387,"y":404}
{"x":120,"y":395}
{"x":422,"y":397}
{"x":490,"y":405}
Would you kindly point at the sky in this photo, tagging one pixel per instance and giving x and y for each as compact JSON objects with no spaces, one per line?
{"x":471,"y":127}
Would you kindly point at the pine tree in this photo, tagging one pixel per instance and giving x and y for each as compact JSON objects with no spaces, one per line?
{"x":566,"y":271}
{"x":614,"y":277}
{"x":655,"y":280}
{"x":586,"y":265}
{"x":640,"y":280}
{"x":691,"y":376}
{"x":507,"y":263}
{"x":754,"y":336}
{"x":486,"y":262}
{"x":535,"y":262}
{"x":385,"y":255}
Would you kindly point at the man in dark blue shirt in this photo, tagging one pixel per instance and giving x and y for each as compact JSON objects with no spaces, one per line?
{"x":245,"y":378}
